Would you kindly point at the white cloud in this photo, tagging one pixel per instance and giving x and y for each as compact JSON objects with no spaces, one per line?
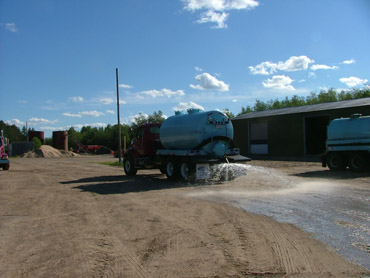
{"x":131,"y":119}
{"x":125,"y":86}
{"x":16,"y":122}
{"x":348,"y":62}
{"x":35,"y":121}
{"x":76,"y":99}
{"x":163,"y":93}
{"x":106,"y":100}
{"x":234,"y":100}
{"x":79,"y":126}
{"x":209,"y":82}
{"x":214,"y":17}
{"x":110,"y":112}
{"x":10,"y":26}
{"x":265,"y":68}
{"x":198,"y":69}
{"x":214,"y":9}
{"x":93,"y":113}
{"x":121,"y":101}
{"x":53,"y":128}
{"x":294,"y":63}
{"x":280,"y":82}
{"x":323,"y":67}
{"x":22,"y":101}
{"x":67,"y":114}
{"x":219,"y":5}
{"x":353,"y":81}
{"x":311,"y":75}
{"x":183,"y":106}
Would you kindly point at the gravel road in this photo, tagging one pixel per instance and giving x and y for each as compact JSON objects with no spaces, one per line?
{"x":74,"y":217}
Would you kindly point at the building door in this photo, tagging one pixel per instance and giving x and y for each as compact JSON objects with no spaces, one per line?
{"x":315,"y":134}
{"x":258,"y":138}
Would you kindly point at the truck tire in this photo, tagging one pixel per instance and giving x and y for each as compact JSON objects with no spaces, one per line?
{"x":171,"y":169}
{"x":336,"y":162}
{"x":128,"y":166}
{"x":6,"y":167}
{"x":357,"y":162}
{"x":187,"y":171}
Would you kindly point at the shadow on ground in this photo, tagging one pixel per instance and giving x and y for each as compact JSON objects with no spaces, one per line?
{"x":124,"y":184}
{"x":327,"y":174}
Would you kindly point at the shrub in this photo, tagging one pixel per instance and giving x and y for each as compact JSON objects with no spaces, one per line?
{"x":36,"y":143}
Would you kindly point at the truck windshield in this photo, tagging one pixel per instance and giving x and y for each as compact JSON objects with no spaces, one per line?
{"x":154,"y":130}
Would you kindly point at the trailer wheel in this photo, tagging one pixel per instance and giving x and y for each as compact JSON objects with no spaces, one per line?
{"x":187,"y":171}
{"x":357,"y":162}
{"x":336,"y":162}
{"x":128,"y":166}
{"x":171,"y":171}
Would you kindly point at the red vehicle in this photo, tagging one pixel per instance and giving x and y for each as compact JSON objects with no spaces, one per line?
{"x":4,"y":160}
{"x":142,"y":152}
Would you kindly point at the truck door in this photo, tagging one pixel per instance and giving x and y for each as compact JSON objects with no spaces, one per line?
{"x":139,"y":140}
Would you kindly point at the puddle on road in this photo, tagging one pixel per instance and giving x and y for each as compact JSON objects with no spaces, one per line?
{"x":333,"y":212}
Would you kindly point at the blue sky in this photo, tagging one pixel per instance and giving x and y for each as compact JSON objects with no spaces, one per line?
{"x":58,"y":58}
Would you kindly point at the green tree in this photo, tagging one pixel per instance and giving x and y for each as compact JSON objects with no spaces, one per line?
{"x":12,"y":132}
{"x":260,"y":106}
{"x":36,"y":143}
{"x":228,"y":113}
{"x":156,"y":117}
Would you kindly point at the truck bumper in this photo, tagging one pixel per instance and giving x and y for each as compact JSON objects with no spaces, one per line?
{"x":237,"y":158}
{"x":4,"y":161}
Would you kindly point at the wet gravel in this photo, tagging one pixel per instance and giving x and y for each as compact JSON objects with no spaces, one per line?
{"x":334,"y":209}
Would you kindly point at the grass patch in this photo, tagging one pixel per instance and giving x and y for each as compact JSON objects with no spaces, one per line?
{"x":115,"y":164}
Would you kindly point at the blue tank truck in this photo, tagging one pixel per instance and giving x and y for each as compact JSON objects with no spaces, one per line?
{"x":348,"y":144}
{"x":184,"y":146}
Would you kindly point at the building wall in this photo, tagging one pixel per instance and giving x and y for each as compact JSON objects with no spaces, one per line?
{"x":286,"y":133}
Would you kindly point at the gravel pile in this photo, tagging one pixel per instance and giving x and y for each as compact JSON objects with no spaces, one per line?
{"x":48,"y":152}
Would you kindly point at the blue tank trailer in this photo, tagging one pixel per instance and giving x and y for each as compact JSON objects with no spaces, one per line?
{"x":4,"y":160}
{"x":348,"y":144}
{"x":184,"y":146}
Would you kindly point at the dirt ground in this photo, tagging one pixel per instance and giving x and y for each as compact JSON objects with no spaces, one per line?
{"x":74,"y":217}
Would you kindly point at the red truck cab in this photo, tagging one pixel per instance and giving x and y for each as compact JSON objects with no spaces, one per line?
{"x":142,"y":152}
{"x":4,"y":160}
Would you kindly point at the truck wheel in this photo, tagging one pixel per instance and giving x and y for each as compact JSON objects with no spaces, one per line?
{"x":336,"y":162}
{"x":128,"y":166}
{"x":357,"y":162}
{"x":6,"y":167}
{"x":171,"y":171}
{"x":187,"y":171}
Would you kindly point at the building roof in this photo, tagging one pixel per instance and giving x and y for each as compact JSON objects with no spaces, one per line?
{"x":306,"y":108}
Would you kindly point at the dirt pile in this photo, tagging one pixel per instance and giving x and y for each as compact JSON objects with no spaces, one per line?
{"x":48,"y":152}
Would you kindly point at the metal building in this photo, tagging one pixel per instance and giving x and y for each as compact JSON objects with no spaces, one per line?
{"x":295,"y":131}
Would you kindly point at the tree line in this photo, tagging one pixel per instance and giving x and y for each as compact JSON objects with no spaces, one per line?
{"x":330,"y":95}
{"x":108,"y":136}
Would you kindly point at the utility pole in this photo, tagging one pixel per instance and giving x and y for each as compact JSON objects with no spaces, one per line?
{"x":118,"y":119}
